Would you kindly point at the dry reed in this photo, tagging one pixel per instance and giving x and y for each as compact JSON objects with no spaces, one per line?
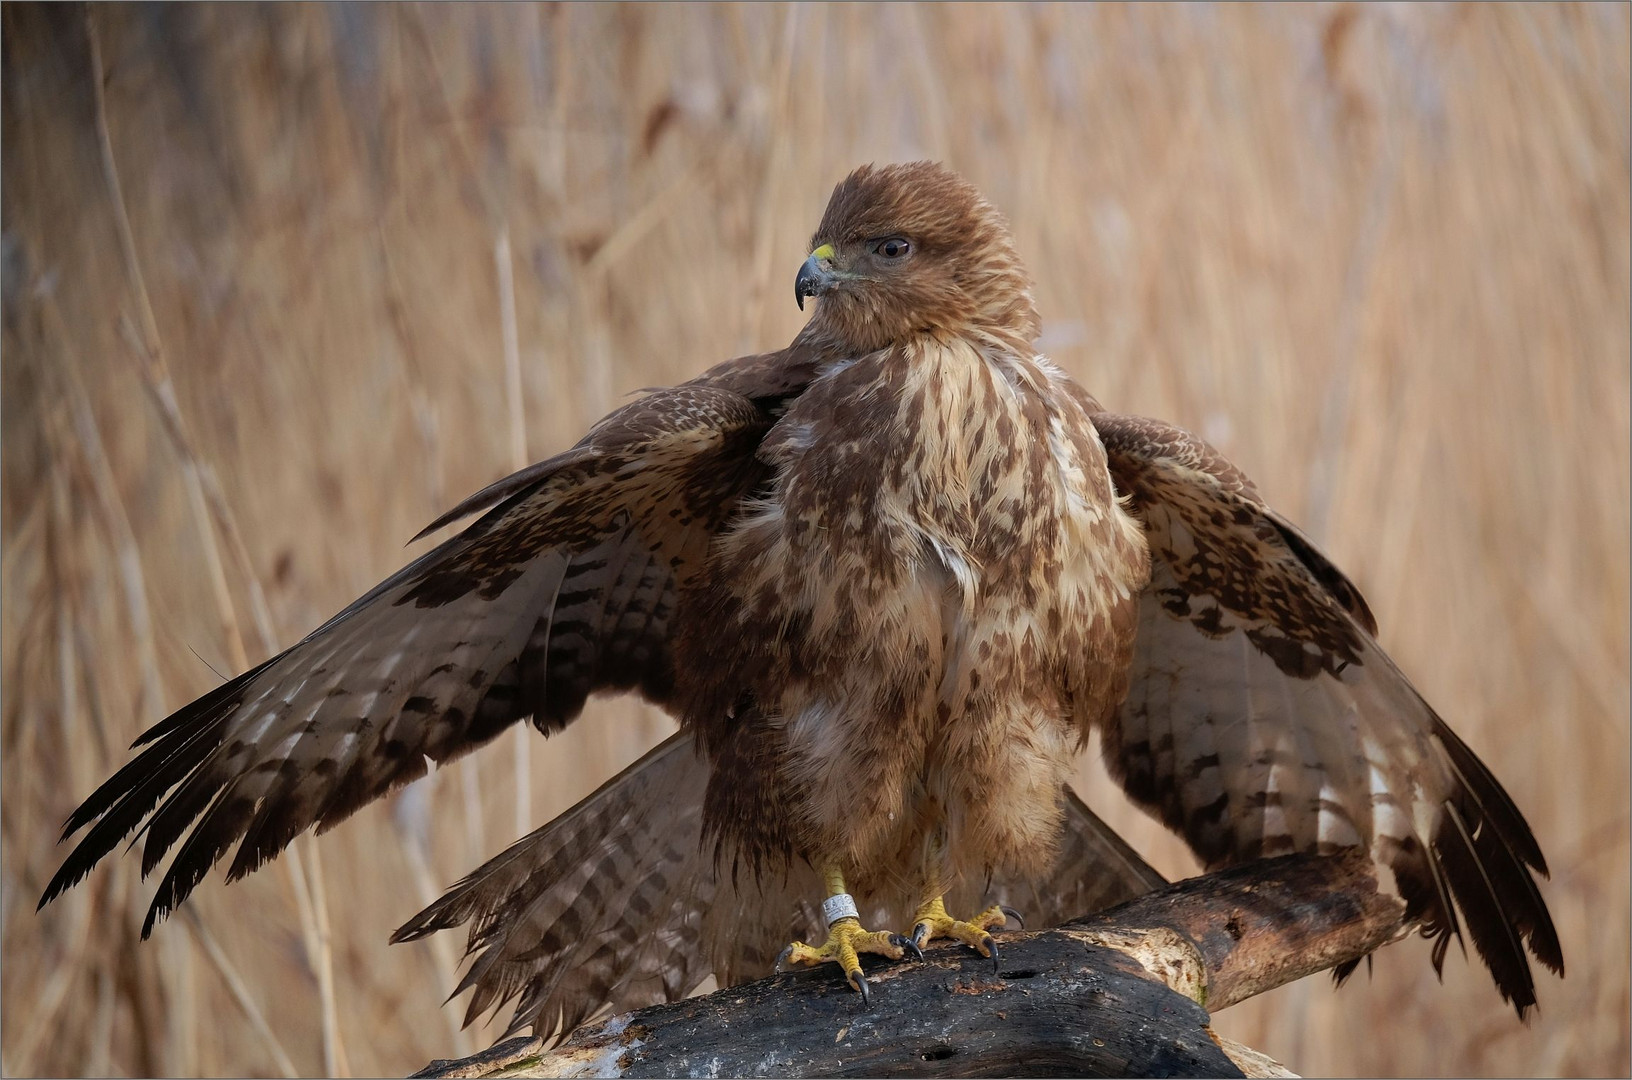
{"x":286,"y":281}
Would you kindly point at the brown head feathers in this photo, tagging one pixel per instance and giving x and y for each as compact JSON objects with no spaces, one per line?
{"x":915,"y":249}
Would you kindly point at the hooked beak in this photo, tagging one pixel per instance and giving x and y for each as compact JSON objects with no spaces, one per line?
{"x":816,"y":276}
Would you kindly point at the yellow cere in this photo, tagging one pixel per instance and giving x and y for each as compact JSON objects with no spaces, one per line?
{"x":823,"y":252}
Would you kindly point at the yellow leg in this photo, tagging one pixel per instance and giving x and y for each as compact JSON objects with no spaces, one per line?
{"x":933,"y":922}
{"x":846,"y":940}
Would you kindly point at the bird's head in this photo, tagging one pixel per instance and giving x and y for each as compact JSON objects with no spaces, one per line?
{"x":914,"y":249}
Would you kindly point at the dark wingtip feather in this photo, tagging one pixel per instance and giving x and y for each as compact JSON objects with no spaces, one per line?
{"x":119,"y":806}
{"x":412,"y":930}
{"x":1494,"y":803}
{"x":114,"y":795}
{"x":1341,"y":973}
{"x":115,"y":809}
{"x":225,"y":820}
{"x":1481,"y":862}
{"x":212,"y":706}
{"x":67,"y":876}
{"x":166,"y":824}
{"x":1504,"y":848}
{"x":1486,"y":894}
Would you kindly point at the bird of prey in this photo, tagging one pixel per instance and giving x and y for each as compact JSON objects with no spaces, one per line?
{"x":888,"y":579}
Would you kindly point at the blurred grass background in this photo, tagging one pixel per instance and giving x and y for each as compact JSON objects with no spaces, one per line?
{"x":1379,"y":255}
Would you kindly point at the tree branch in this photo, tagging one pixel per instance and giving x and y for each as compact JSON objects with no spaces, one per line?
{"x":1120,"y":993}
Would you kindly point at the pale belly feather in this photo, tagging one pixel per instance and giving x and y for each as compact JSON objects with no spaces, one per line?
{"x":956,"y":639}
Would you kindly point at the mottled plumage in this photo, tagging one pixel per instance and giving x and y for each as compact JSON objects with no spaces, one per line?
{"x":1265,"y":719}
{"x":889,"y":580}
{"x":618,"y":900}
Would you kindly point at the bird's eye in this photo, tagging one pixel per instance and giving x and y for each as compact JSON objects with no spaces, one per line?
{"x":892,"y":248}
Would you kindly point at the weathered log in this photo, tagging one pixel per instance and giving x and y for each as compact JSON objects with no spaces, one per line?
{"x":1267,"y":923}
{"x":1120,"y":993}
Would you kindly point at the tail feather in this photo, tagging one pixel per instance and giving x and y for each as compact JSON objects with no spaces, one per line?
{"x":619,"y":901}
{"x":1095,"y":869}
{"x":574,"y":914}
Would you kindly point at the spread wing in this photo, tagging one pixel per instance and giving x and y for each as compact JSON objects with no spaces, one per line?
{"x":1264,"y":718}
{"x":565,"y":586}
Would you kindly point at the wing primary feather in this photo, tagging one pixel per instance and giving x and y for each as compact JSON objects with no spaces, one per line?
{"x":1485,"y":911}
{"x":328,"y":727}
{"x":1495,"y":804}
{"x":166,"y":824}
{"x":204,"y":844}
{"x":1450,"y":926}
{"x":222,"y":696}
{"x":185,"y":723}
{"x":128,"y":796}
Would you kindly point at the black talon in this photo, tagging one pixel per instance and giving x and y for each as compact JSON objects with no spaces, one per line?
{"x":920,"y":933}
{"x":858,"y":982}
{"x":991,"y":947}
{"x":1010,"y":913}
{"x":782,"y":958}
{"x":907,"y":945}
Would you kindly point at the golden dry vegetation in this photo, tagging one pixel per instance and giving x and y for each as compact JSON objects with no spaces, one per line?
{"x":1379,"y":256}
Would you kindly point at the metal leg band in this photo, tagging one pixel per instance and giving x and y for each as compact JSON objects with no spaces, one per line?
{"x":839,"y":906}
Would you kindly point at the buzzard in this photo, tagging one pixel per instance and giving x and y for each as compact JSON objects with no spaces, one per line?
{"x":889,"y":579}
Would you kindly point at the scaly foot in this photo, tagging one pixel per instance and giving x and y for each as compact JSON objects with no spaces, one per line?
{"x":932,"y":922}
{"x":846,"y":940}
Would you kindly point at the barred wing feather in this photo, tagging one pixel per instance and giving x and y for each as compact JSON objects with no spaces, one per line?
{"x":1264,"y":718}
{"x":564,"y":587}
